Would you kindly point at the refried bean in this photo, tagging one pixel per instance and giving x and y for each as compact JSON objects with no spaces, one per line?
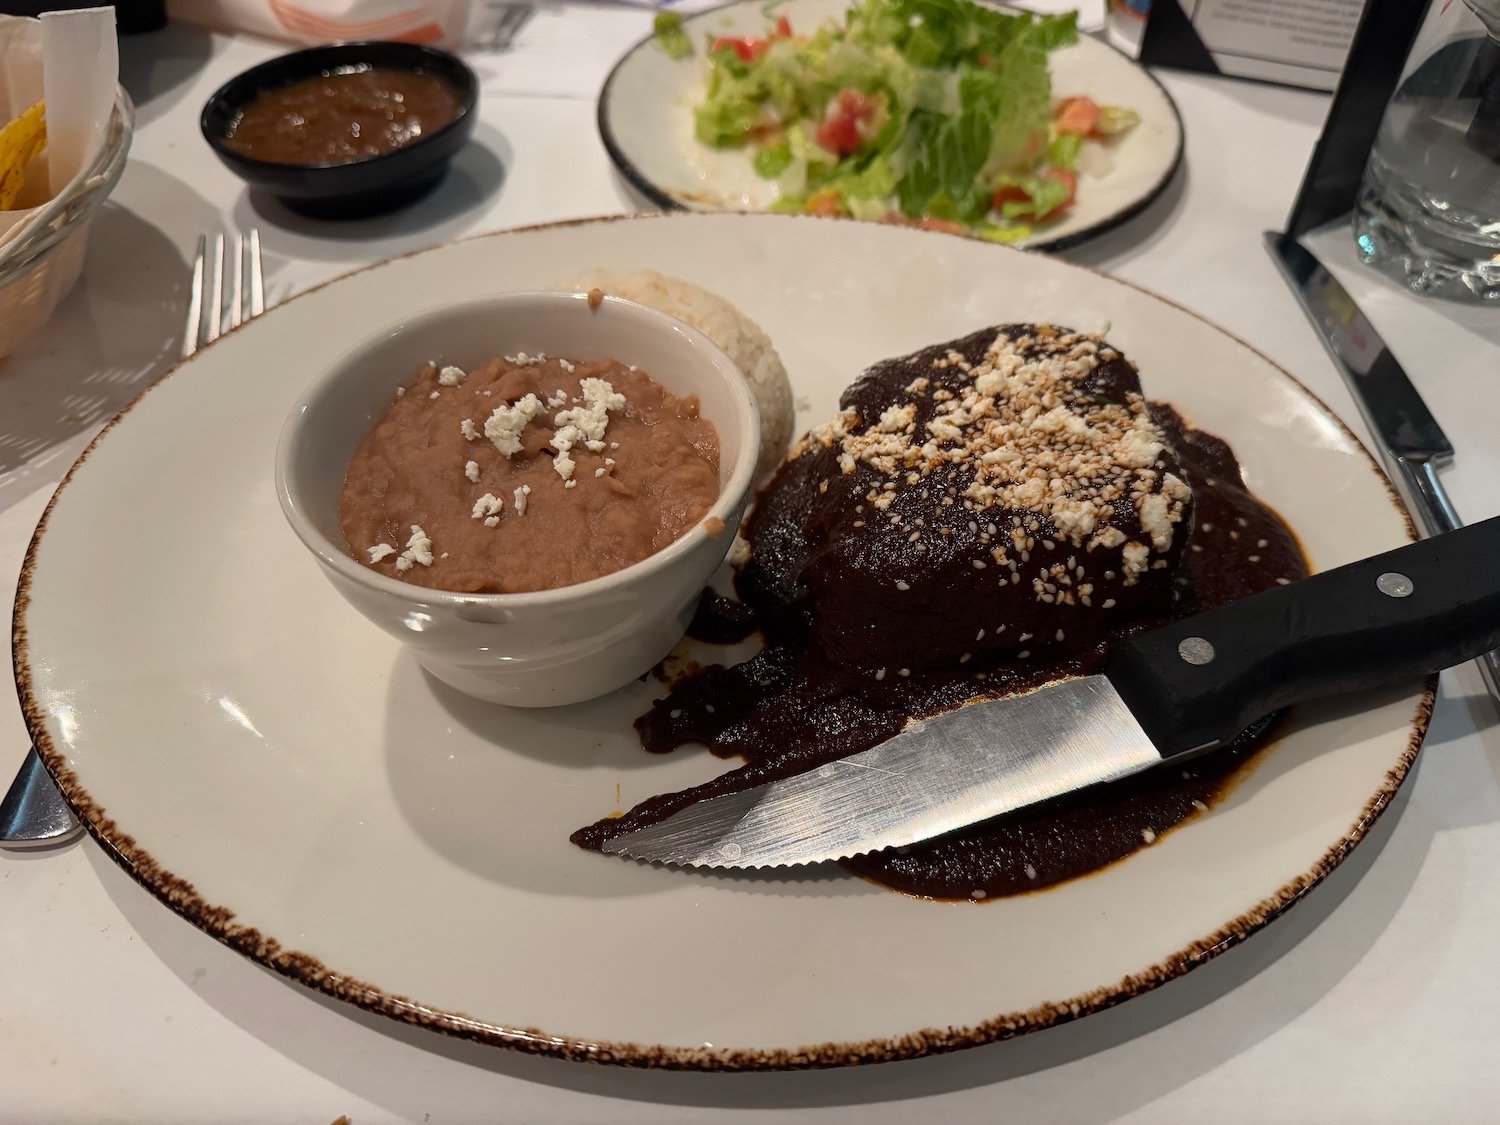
{"x":498,"y":522}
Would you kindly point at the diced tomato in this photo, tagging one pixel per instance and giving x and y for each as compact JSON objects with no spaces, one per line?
{"x":747,"y":49}
{"x":826,"y":202}
{"x":841,"y":133}
{"x":896,"y":218}
{"x":1070,"y":181}
{"x":1013,"y":194}
{"x":944,"y":225}
{"x":1076,"y":115}
{"x":783,"y":28}
{"x":1006,"y":195}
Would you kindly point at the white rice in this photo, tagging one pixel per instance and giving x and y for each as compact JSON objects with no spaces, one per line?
{"x":739,"y":336}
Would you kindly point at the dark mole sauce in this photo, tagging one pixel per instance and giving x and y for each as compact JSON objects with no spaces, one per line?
{"x":343,"y":116}
{"x":790,"y":708}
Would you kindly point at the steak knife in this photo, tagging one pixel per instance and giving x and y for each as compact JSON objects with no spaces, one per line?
{"x":1413,"y":446}
{"x":1162,"y":696}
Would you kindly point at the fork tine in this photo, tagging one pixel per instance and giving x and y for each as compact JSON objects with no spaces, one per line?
{"x":215,"y":309}
{"x":191,"y":330}
{"x":237,"y":301}
{"x":257,"y":275}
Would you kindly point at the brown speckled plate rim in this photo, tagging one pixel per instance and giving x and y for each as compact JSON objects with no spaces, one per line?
{"x":219,"y":921}
{"x":662,"y":197}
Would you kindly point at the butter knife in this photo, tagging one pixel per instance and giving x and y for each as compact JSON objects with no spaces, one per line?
{"x":1162,"y":696}
{"x":1413,"y":446}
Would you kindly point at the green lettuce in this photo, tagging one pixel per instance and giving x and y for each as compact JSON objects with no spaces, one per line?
{"x":669,"y":35}
{"x":966,"y":107}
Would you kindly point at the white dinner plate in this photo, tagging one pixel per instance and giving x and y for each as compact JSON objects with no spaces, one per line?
{"x":283,"y":775}
{"x":646,"y":123}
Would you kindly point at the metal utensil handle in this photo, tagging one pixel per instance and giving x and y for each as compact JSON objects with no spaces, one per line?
{"x":1428,"y":501}
{"x":33,"y":813}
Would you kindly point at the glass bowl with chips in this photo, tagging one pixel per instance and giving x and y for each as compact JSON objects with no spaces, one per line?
{"x":39,"y":265}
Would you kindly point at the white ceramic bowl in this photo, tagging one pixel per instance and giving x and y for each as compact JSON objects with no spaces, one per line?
{"x":550,"y":647}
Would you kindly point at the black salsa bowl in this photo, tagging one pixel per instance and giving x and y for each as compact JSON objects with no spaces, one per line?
{"x":353,"y":188}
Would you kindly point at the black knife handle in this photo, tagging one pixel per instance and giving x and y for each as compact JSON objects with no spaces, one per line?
{"x":1198,"y":683}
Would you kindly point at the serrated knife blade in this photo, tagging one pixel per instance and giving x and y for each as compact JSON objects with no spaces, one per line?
{"x":937,"y":775}
{"x":1162,"y":695}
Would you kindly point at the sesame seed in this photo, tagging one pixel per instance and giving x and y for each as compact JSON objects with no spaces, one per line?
{"x":1283,"y":581}
{"x":978,"y":564}
{"x":1148,"y":835}
{"x":977,"y":893}
{"x":1199,"y":805}
{"x":903,"y":671}
{"x":903,"y":585}
{"x":1030,"y":871}
{"x":880,"y":674}
{"x":979,"y":636}
{"x":966,"y":657}
{"x":1023,"y":654}
{"x":1059,"y":634}
{"x":1109,"y":603}
{"x":675,"y":713}
{"x":1255,"y":558}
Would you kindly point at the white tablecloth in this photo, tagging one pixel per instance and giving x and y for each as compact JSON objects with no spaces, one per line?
{"x":1377,"y":999}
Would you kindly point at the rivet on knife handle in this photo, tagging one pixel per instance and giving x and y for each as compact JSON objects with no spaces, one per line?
{"x":1401,"y":615}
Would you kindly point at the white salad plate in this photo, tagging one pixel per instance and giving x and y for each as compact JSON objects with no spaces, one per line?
{"x":645,"y":116}
{"x":282,"y":774}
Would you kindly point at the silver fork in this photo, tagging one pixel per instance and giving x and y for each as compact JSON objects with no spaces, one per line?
{"x":33,"y":813}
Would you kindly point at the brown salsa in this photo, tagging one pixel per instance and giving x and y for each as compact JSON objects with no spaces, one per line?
{"x":343,"y":116}
{"x":803,"y":701}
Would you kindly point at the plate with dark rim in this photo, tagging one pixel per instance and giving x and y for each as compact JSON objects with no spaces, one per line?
{"x":645,"y":119}
{"x":284,"y":776}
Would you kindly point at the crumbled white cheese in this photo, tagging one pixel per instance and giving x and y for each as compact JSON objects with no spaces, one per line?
{"x":470,"y":431}
{"x":487,"y":505}
{"x":452,"y":376}
{"x":504,"y":426}
{"x":434,"y":394}
{"x":1156,"y":519}
{"x":380,"y":551}
{"x":565,"y":365}
{"x":897,"y":418}
{"x":586,"y":423}
{"x":600,"y":471}
{"x":418,"y":550}
{"x":520,"y":498}
{"x":400,"y":391}
{"x":521,"y":359}
{"x":492,"y":521}
{"x":471,"y":470}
